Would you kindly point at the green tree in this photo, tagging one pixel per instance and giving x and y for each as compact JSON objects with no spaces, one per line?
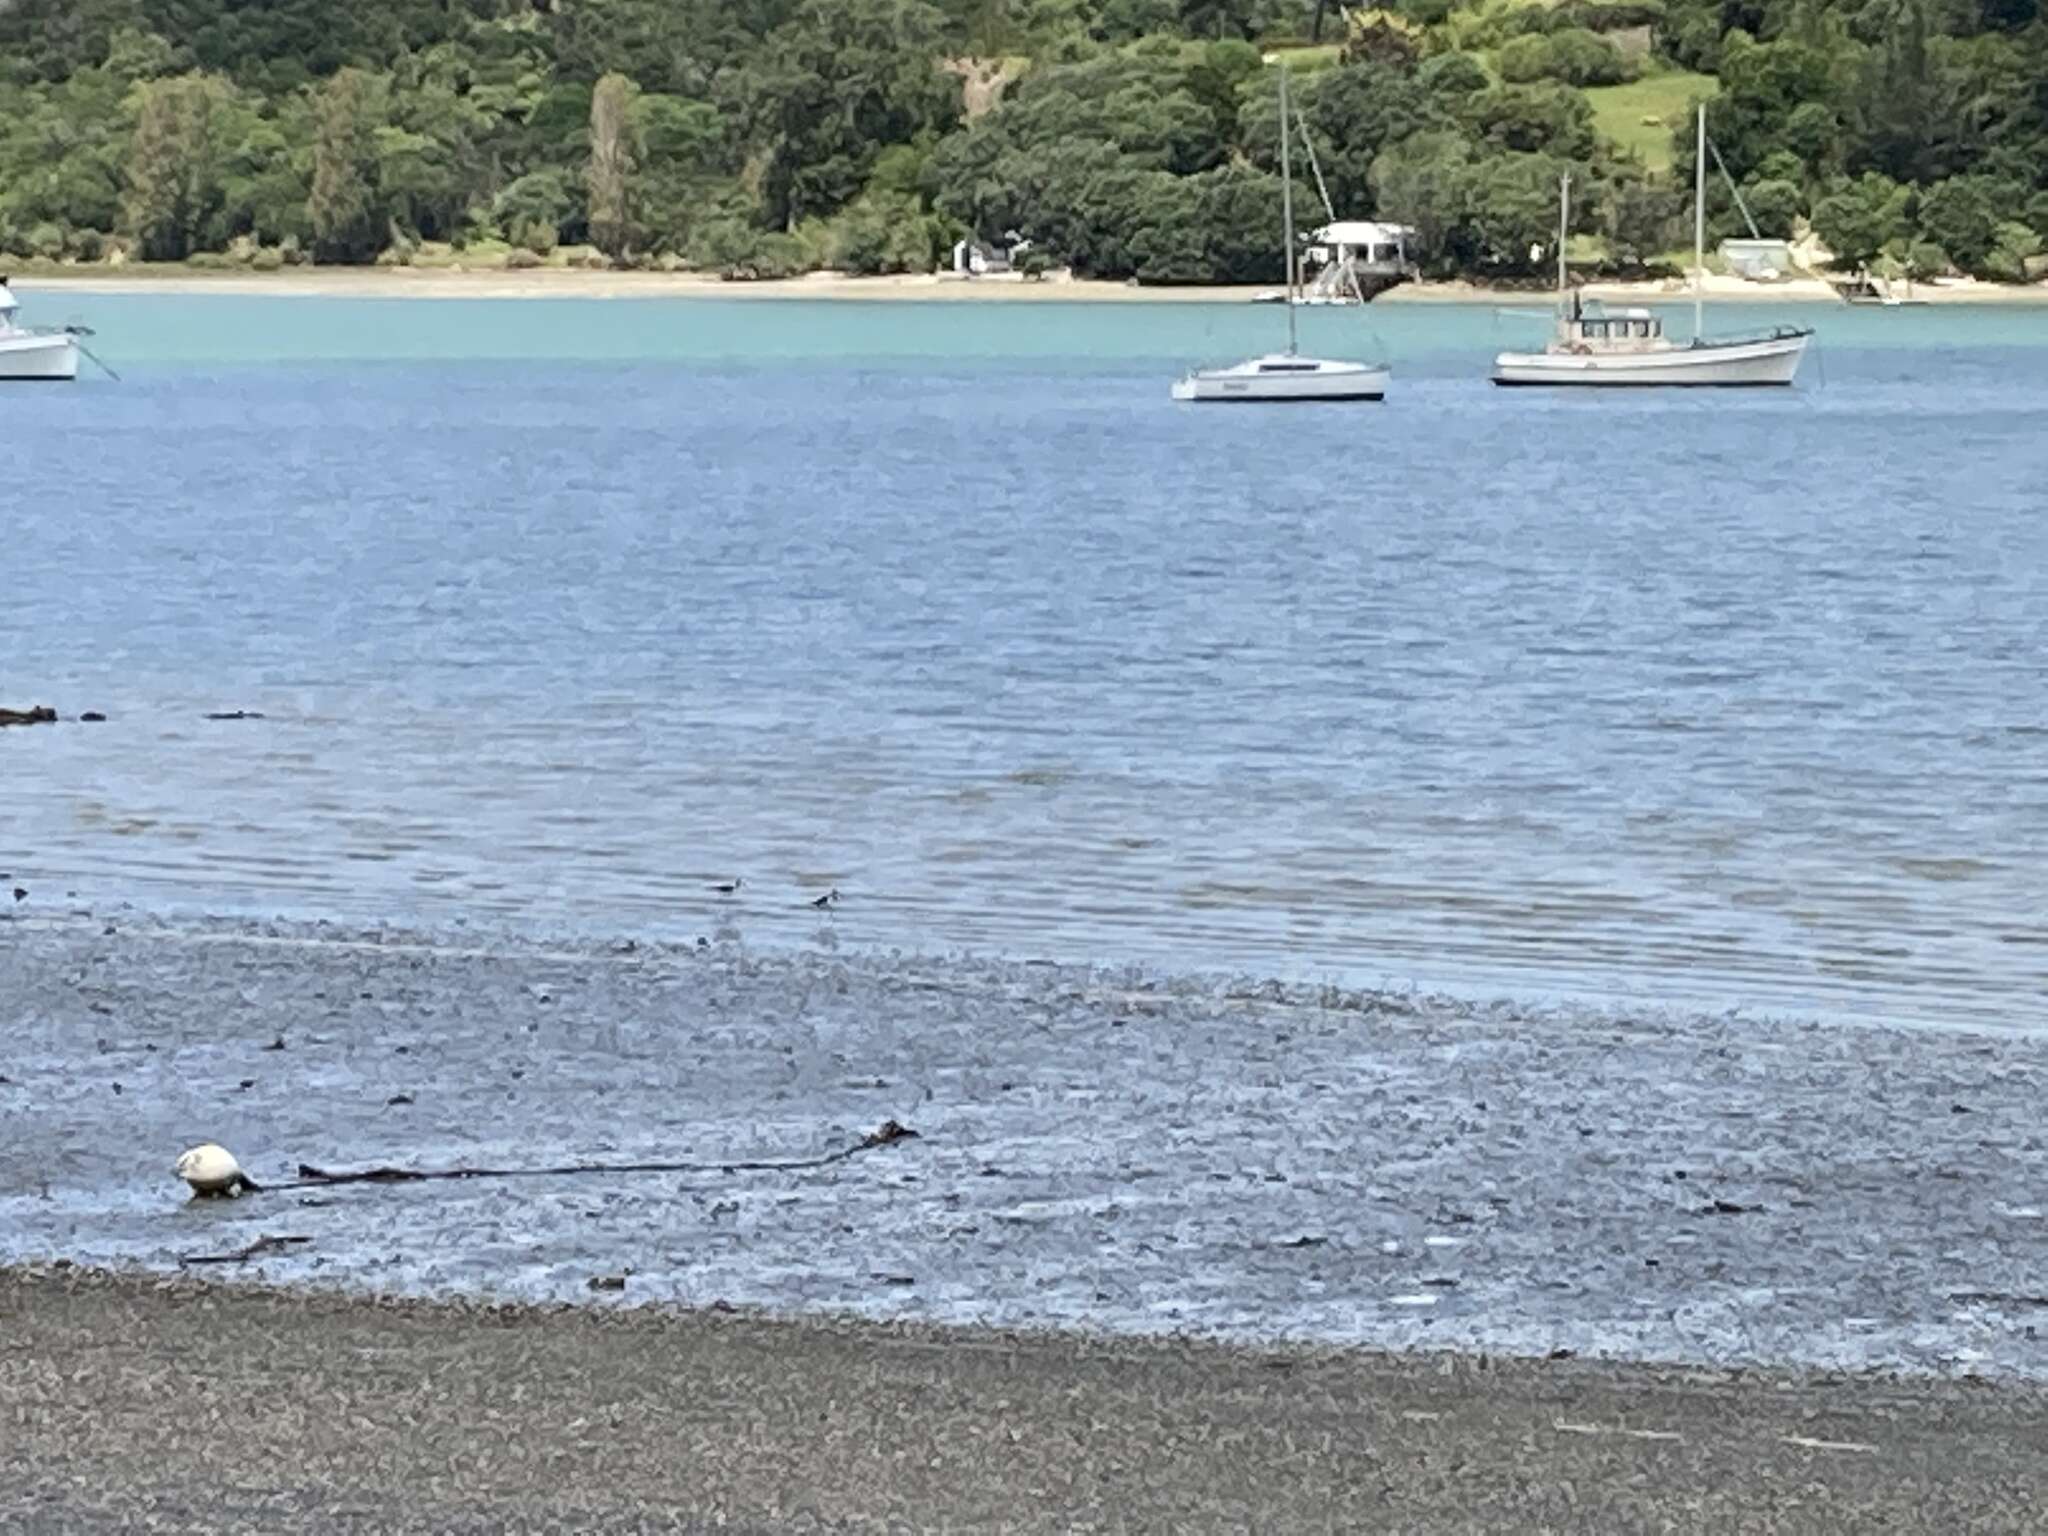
{"x":176,"y":166}
{"x":1640,"y":218}
{"x":1353,"y":113}
{"x":1219,"y":19}
{"x":1545,"y":118}
{"x":345,"y":208}
{"x":1525,"y":58}
{"x":1573,"y":56}
{"x":1961,"y":215}
{"x":534,"y":210}
{"x":1763,"y":86}
{"x":1856,"y":220}
{"x":614,"y":157}
{"x":682,"y":172}
{"x":1453,"y":74}
{"x":1775,"y":205}
{"x":1423,"y":182}
{"x":1237,"y":210}
{"x":1901,"y":111}
{"x":1511,"y":211}
{"x":2012,"y":250}
{"x":832,"y":86}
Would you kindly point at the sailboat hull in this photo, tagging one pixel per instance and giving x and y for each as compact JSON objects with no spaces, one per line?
{"x":1283,"y":380}
{"x":1769,"y":361}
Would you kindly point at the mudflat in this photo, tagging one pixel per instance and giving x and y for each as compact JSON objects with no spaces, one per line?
{"x":1097,"y":1150}
{"x":177,"y":1405}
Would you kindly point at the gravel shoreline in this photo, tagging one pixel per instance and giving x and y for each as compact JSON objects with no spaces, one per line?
{"x":1099,"y":1150}
{"x":172,"y":1405}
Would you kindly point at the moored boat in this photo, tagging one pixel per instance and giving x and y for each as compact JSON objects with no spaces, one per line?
{"x":1595,"y":346}
{"x":28,"y":352}
{"x":1286,"y":376}
{"x":1621,"y":347}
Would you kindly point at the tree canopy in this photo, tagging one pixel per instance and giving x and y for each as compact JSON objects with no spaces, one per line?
{"x":1128,"y":138}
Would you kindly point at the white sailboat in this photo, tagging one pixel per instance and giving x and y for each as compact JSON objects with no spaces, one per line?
{"x":1286,"y":375}
{"x":28,"y":352}
{"x":1597,"y":346}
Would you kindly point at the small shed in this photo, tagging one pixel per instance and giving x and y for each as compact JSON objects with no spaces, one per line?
{"x":1760,"y":261}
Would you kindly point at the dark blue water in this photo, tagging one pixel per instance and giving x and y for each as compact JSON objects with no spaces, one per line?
{"x":1717,"y":701}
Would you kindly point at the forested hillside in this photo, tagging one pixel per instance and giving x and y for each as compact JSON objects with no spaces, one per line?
{"x":1126,"y":137}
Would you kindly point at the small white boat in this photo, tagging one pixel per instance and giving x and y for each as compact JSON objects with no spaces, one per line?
{"x":1594,"y":346}
{"x":1286,"y":376}
{"x":32,"y":353}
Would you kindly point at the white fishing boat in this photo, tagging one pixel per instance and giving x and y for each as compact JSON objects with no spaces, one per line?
{"x":1596,"y":346}
{"x":1286,"y":376}
{"x":33,"y":353}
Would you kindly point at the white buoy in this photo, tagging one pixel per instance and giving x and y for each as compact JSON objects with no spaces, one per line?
{"x":213,"y":1173}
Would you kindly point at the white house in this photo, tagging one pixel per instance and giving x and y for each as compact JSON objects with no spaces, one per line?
{"x":978,"y":258}
{"x":1354,"y":259}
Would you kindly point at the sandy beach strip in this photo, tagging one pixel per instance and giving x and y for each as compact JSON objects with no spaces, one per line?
{"x":133,"y":1403}
{"x":579,"y":283}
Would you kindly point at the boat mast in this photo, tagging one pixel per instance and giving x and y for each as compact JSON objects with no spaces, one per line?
{"x":1564,"y":226}
{"x":1699,"y":225}
{"x":1287,"y":206}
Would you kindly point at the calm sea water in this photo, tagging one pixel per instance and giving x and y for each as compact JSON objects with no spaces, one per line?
{"x":560,"y":613}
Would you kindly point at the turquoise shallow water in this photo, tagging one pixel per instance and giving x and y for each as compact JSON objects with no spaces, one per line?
{"x":187,"y":331}
{"x":561,"y":612}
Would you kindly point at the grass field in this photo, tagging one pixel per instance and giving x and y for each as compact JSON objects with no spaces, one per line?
{"x":1621,"y":112}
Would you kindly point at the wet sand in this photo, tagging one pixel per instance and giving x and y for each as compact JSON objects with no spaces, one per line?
{"x":1100,"y":1149}
{"x":174,"y":1406}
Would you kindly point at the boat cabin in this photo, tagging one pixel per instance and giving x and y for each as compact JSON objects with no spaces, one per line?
{"x":1591,"y":327}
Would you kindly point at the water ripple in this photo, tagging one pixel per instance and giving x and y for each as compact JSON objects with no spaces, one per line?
{"x":1723,"y":704}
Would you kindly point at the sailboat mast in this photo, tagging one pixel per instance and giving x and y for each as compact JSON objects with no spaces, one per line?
{"x":1564,"y":225}
{"x":1287,"y":207}
{"x":1699,"y":226}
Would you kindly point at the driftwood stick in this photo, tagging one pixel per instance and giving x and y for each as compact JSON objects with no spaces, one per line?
{"x":888,"y":1134}
{"x":255,"y":1250}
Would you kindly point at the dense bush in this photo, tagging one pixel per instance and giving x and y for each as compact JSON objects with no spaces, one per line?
{"x":1573,"y":56}
{"x":757,"y":137}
